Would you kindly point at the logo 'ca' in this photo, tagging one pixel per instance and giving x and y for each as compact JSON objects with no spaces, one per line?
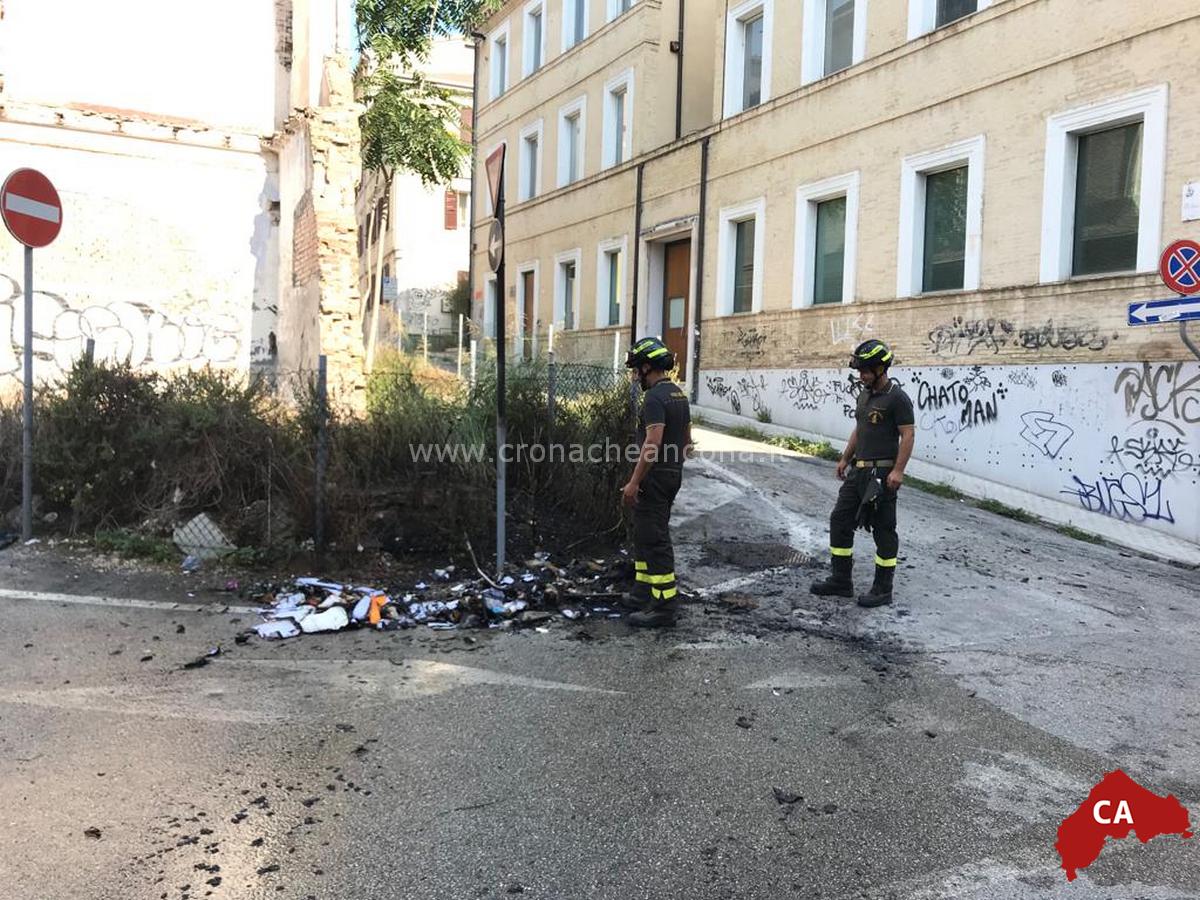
{"x":1123,"y":813}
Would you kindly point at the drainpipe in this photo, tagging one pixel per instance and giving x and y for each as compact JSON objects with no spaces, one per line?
{"x":637,"y":255}
{"x":700,"y":234}
{"x":477,"y":38}
{"x":677,"y":46}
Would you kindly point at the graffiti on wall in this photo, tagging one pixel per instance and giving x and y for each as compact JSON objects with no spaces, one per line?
{"x":1154,"y":454}
{"x":850,"y":331}
{"x":812,"y":391}
{"x":966,"y":337}
{"x":123,"y":331}
{"x":748,"y":387}
{"x":1043,"y":431}
{"x":1120,"y":442}
{"x":1160,"y":393}
{"x":751,"y":342}
{"x":953,"y":405}
{"x":1129,"y":498}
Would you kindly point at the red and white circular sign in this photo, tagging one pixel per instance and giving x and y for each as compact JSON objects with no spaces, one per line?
{"x":30,"y":207}
{"x":1180,"y":267}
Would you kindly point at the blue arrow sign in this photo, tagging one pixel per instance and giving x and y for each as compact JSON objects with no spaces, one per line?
{"x":1156,"y":312}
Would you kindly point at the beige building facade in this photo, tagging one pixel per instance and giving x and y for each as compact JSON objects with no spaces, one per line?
{"x":986,"y":186}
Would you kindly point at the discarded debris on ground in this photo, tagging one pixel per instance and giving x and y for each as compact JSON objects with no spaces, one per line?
{"x":531,"y":596}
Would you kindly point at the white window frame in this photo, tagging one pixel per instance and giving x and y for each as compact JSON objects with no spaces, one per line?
{"x":603,"y":249}
{"x":489,"y":306}
{"x":464,"y":209}
{"x":570,"y":40}
{"x":624,"y":80}
{"x":491,"y":211}
{"x":922,"y":16}
{"x":912,"y":212}
{"x":1062,"y":157}
{"x":730,"y":216}
{"x":812,"y":59}
{"x":528,"y":50}
{"x":524,"y":190}
{"x":614,"y":8}
{"x":501,"y":34}
{"x":808,"y":197}
{"x":735,"y":52}
{"x":575,"y":107}
{"x":560,"y":288}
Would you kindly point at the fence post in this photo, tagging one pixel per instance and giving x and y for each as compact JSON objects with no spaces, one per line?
{"x":322,"y":453}
{"x":551,"y":386}
{"x":616,"y":352}
{"x":460,"y":342}
{"x":89,"y":350}
{"x":425,"y":336}
{"x":474,"y":355}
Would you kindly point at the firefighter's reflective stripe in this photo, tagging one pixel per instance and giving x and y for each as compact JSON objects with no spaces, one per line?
{"x":885,"y":563}
{"x":842,"y":551}
{"x":665,"y":593}
{"x":640,"y":566}
{"x":647,"y":578}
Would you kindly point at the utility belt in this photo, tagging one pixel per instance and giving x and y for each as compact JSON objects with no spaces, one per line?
{"x":874,"y":463}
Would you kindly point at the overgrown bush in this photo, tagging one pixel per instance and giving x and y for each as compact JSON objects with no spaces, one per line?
{"x":10,"y":455}
{"x":118,"y":449}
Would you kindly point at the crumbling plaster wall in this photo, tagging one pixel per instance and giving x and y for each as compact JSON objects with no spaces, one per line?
{"x":168,"y":255}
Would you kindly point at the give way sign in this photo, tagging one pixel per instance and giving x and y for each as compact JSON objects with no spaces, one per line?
{"x":30,"y":207}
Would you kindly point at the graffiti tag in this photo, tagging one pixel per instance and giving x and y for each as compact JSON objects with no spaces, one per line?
{"x":1129,"y":498}
{"x":1043,"y":431}
{"x":1157,"y":389}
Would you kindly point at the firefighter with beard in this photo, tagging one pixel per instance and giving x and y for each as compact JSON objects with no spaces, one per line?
{"x":872,"y":469}
{"x":665,"y":435}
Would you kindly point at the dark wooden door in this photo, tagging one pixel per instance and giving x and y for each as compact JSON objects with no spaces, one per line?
{"x":677,"y":301}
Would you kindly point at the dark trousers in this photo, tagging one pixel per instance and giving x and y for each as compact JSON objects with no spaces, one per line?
{"x":654,"y":557}
{"x":844,"y":518}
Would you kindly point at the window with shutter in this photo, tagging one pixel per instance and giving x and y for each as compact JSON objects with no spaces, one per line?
{"x":451,"y":211}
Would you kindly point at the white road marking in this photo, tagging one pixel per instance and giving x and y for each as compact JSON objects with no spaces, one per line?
{"x":27,"y":206}
{"x":86,"y":600}
{"x":274,"y":691}
{"x":405,"y":677}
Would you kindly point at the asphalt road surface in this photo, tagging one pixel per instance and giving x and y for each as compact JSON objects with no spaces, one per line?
{"x":773,"y":745}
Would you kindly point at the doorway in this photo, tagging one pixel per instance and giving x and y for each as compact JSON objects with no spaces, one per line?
{"x":676,"y":300}
{"x":528,"y":305}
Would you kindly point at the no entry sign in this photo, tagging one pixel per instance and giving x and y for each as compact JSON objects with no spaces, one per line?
{"x":1180,"y":267}
{"x":30,"y":207}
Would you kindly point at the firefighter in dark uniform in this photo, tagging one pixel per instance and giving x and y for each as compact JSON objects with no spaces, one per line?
{"x":665,"y":434}
{"x":872,"y":469}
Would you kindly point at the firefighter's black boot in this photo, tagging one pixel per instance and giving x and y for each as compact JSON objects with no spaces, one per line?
{"x":840,"y":583}
{"x":658,"y":614}
{"x":633,"y":601}
{"x":881,"y":591}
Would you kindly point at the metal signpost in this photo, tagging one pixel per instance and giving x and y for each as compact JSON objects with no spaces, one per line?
{"x":495,"y":173}
{"x":32,"y":212}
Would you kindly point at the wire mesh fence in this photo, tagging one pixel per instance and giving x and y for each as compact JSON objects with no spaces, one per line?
{"x":277,"y":459}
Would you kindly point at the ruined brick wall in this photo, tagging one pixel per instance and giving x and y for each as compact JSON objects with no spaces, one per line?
{"x":319,"y":152}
